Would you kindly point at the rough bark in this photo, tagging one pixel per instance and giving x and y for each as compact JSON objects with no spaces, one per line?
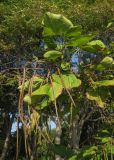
{"x":58,"y":139}
{"x":74,"y":134}
{"x":77,"y":126}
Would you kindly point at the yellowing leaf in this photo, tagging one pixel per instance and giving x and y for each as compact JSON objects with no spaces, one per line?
{"x":94,"y":96}
{"x":99,"y":95}
{"x":34,"y":119}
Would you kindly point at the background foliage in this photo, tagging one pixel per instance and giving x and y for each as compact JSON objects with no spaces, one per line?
{"x":23,"y":43}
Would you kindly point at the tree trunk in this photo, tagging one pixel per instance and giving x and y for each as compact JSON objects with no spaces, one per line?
{"x":77,"y":126}
{"x":6,"y":143}
{"x":76,"y":132}
{"x":58,"y":139}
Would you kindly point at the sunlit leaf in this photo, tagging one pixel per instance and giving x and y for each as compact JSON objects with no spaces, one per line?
{"x":65,"y":66}
{"x":27,"y":99}
{"x":97,"y":44}
{"x":56,"y":24}
{"x":51,"y":90}
{"x":67,"y":80}
{"x":43,"y":90}
{"x":52,"y":55}
{"x":94,"y":46}
{"x":90,"y":151}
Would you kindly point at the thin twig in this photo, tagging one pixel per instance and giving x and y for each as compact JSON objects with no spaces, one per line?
{"x":55,"y":103}
{"x":65,"y":87}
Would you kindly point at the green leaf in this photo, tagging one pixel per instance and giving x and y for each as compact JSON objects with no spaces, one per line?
{"x":56,"y":24}
{"x":91,"y":150}
{"x":97,"y":44}
{"x":36,"y":81}
{"x":32,"y":99}
{"x":104,"y":83}
{"x":55,"y":91}
{"x":43,"y":90}
{"x":45,"y":102}
{"x":94,"y":46}
{"x":73,"y":158}
{"x":27,"y":99}
{"x":110,"y":148}
{"x":65,"y":66}
{"x":110,"y":24}
{"x":37,"y":101}
{"x":67,"y":80}
{"x":80,"y":40}
{"x":50,"y":43}
{"x":47,"y":89}
{"x":74,"y":31}
{"x":93,"y":95}
{"x":88,"y":48}
{"x":52,"y":55}
{"x":61,"y":150}
{"x":107,"y":62}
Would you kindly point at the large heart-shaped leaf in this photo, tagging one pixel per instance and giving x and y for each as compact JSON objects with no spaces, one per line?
{"x":52,"y":55}
{"x":51,"y":90}
{"x":43,"y":90}
{"x":55,"y":91}
{"x":56,"y":24}
{"x":67,"y":80}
